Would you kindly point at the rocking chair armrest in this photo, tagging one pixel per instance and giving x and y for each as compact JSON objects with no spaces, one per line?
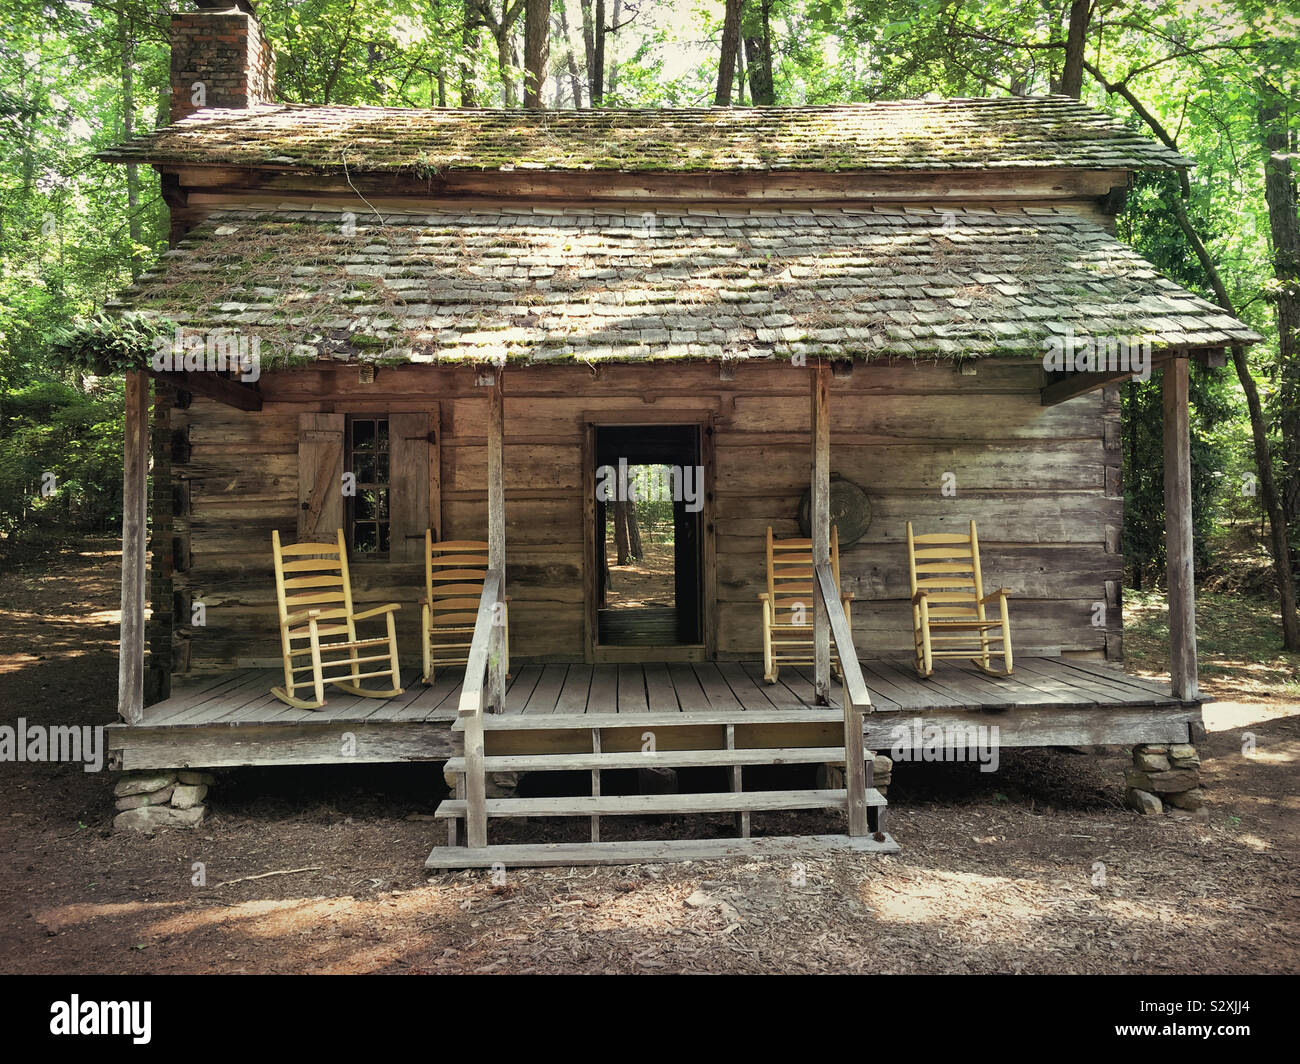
{"x":762,"y":595}
{"x":920,"y":596}
{"x":1000,"y":593}
{"x":387,"y":607}
{"x":299,"y":617}
{"x":846,"y":596}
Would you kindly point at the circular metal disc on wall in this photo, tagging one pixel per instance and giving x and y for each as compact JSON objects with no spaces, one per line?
{"x":850,"y":511}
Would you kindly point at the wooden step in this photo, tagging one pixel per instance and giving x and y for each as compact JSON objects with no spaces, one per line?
{"x":799,"y":755}
{"x":587,"y":721}
{"x":653,"y":804}
{"x":540,"y":855}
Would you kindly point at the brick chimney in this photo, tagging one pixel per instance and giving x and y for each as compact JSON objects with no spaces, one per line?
{"x":220,"y":58}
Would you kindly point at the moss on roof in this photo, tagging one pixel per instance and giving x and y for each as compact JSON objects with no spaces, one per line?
{"x":546,"y":284}
{"x":908,"y":135}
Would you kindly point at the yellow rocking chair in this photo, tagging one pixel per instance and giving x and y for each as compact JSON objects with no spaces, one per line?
{"x":948,"y":603}
{"x":788,"y":603}
{"x":314,"y":592}
{"x":453,"y":586}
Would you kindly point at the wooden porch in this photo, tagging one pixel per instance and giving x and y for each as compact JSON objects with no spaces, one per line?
{"x":234,"y":720}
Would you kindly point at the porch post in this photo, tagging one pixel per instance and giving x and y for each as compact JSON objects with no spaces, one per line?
{"x":497,"y":524}
{"x":1178,"y":530}
{"x":135,"y":496}
{"x":820,"y":520}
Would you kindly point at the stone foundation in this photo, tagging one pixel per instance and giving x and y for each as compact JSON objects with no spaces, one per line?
{"x":1166,"y":777}
{"x":165,"y":798}
{"x":831,"y":777}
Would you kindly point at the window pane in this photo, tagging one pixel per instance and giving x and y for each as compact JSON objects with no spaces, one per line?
{"x":363,"y":435}
{"x":367,"y":537}
{"x":367,"y":505}
{"x":364,"y":467}
{"x":381,"y":434}
{"x":383,"y":537}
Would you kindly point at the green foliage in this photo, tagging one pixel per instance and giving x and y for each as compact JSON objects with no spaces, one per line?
{"x":69,"y":238}
{"x":109,"y":346}
{"x":60,"y":461}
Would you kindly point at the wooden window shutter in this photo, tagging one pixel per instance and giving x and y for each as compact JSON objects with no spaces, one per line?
{"x":414,"y":478}
{"x":320,"y":477}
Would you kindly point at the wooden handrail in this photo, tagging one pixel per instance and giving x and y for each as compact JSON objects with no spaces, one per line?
{"x":857,"y":701}
{"x":855,"y":687}
{"x":480,"y":649}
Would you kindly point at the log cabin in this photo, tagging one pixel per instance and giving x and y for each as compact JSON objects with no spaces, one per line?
{"x":835,"y":315}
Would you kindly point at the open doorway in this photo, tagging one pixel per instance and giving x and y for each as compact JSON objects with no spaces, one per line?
{"x":649,"y":536}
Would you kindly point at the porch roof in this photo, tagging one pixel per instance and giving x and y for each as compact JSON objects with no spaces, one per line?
{"x":1014,"y":132}
{"x":606,"y":284}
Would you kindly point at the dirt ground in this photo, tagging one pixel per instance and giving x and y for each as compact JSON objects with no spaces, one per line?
{"x":1035,"y":868}
{"x":648,"y":582}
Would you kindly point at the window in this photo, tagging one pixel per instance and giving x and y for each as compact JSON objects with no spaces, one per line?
{"x":368,"y":512}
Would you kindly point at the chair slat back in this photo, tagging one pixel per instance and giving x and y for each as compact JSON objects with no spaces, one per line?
{"x":947,"y":565}
{"x":790,"y":577}
{"x":454,"y":572}
{"x":315,"y":577}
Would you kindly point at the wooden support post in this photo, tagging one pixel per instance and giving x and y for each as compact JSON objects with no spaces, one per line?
{"x":162,"y":619}
{"x":475,"y":784}
{"x":738,"y":785}
{"x":1178,"y":530}
{"x":820,"y":520}
{"x":855,"y":770}
{"x":497,"y":530}
{"x":135,"y":500}
{"x":595,"y":784}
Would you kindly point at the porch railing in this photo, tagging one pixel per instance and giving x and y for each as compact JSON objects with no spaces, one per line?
{"x":483,"y":691}
{"x":856,"y":699}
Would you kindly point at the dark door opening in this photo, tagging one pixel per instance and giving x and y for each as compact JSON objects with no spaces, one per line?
{"x":649,"y":488}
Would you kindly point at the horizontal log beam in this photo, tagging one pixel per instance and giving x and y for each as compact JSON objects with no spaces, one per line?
{"x":1069,"y":385}
{"x":930,"y":186}
{"x":234,"y":393}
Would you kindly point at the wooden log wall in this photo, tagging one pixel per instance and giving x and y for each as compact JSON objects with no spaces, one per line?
{"x":1042,"y":483}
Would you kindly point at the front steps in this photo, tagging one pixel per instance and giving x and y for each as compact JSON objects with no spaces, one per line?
{"x":545,"y":855}
{"x":606,"y":742}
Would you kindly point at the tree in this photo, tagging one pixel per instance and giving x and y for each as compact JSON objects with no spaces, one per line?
{"x":1279,"y":144}
{"x":757,"y":33}
{"x":469,"y":46}
{"x":500,"y":26}
{"x":537,"y":40}
{"x":1075,"y":42}
{"x":727,"y":62}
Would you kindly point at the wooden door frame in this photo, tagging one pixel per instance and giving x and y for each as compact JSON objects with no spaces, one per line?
{"x":589,"y":421}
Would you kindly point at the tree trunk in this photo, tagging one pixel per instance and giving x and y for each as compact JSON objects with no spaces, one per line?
{"x":611,"y":79}
{"x":727,"y":62}
{"x":468,"y":46}
{"x":502,"y":35}
{"x":1284,"y":226}
{"x":1075,"y":42}
{"x":537,"y":40}
{"x":740,"y":72}
{"x":621,"y":545}
{"x":634,"y":548}
{"x":127,"y":43}
{"x":589,"y":44}
{"x":575,"y":83}
{"x":757,"y":34}
{"x":596,"y":72}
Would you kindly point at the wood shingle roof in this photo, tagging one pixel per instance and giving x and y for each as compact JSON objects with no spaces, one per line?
{"x":589,"y":284}
{"x":907,"y":135}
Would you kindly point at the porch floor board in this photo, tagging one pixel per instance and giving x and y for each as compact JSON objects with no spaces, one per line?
{"x":244,"y":697}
